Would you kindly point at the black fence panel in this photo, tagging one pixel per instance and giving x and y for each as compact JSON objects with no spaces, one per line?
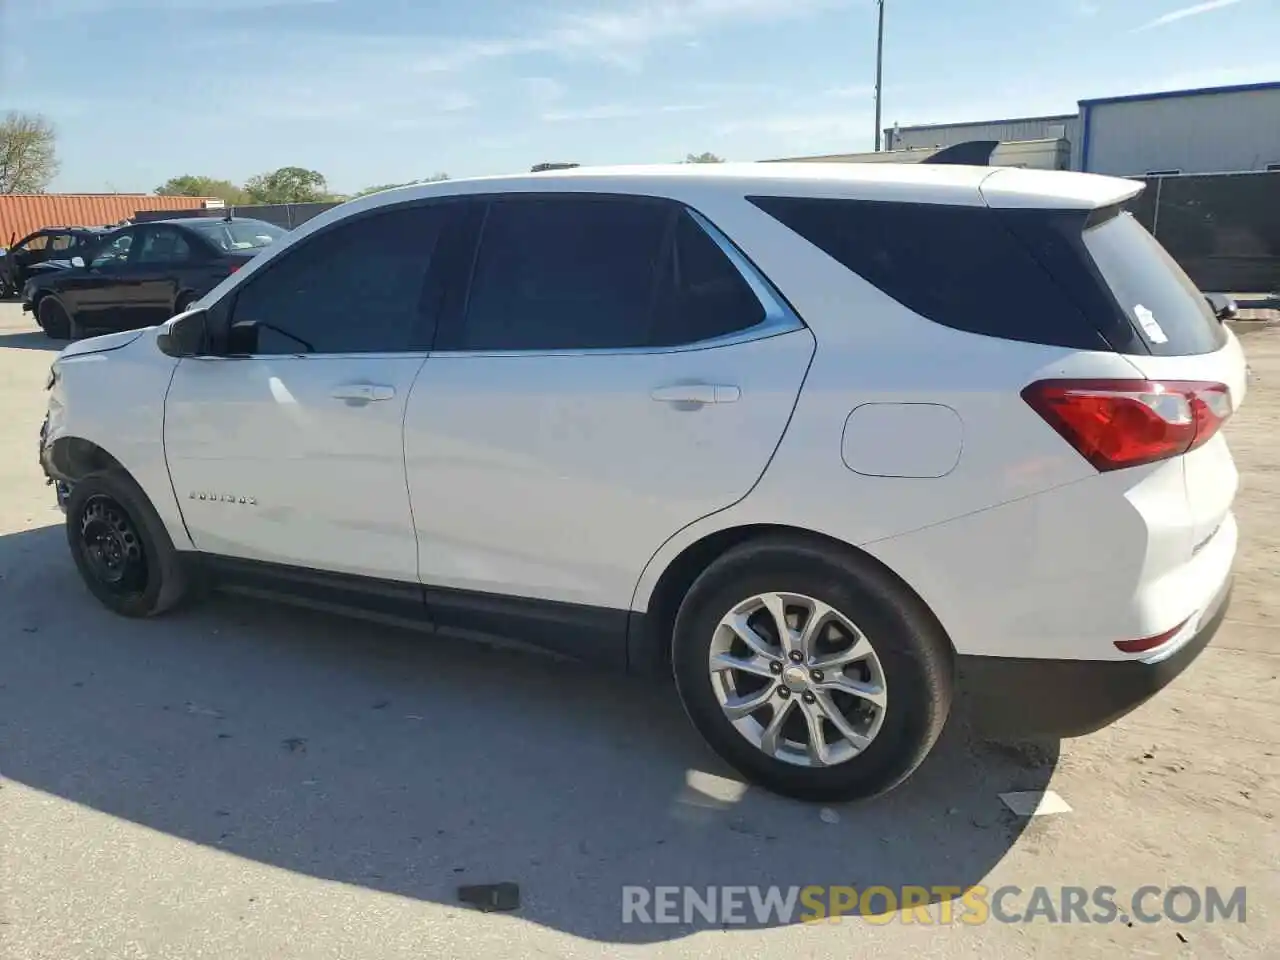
{"x":1224,"y":229}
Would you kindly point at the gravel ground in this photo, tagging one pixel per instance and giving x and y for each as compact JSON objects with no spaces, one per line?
{"x":244,"y":781}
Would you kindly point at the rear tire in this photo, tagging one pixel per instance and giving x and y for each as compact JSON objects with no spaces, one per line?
{"x":53,"y":319}
{"x":121,"y":547}
{"x":851,"y":726}
{"x":183,"y":303}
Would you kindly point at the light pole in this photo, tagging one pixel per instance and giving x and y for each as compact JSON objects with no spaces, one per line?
{"x":879,"y":68}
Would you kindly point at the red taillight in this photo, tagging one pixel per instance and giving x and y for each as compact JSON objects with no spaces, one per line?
{"x":1150,"y":643}
{"x":234,"y":267}
{"x":1124,"y":423}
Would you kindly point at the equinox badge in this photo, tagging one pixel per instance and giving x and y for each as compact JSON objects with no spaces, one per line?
{"x":223,"y":498}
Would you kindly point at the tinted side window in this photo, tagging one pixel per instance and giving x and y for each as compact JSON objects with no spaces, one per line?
{"x":36,"y":243}
{"x":704,"y":295}
{"x":115,"y":253}
{"x":62,"y":241}
{"x":163,"y":245}
{"x":556,"y":273}
{"x":354,"y":288}
{"x":957,"y":266}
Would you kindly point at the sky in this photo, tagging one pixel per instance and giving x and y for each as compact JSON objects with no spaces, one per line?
{"x":380,"y":91}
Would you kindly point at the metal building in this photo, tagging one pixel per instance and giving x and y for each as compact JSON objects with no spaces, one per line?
{"x":1232,"y":129}
{"x":1212,"y":130}
{"x":1063,"y":126}
{"x":1054,"y":154}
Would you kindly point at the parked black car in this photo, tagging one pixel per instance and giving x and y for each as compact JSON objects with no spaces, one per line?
{"x":143,"y":274}
{"x":48,"y":246}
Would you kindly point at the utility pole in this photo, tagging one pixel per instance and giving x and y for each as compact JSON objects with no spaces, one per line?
{"x":879,"y":68}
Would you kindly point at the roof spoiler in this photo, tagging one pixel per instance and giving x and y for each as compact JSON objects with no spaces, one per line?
{"x":971,"y":153}
{"x":1014,"y":187}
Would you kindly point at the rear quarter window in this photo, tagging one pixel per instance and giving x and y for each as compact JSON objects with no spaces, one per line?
{"x":957,"y":266}
{"x":1170,"y":314}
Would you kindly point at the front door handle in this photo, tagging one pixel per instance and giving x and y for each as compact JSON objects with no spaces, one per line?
{"x":363,"y":392}
{"x":697,"y":393}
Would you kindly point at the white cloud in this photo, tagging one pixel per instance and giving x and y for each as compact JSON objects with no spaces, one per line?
{"x":809,"y":127}
{"x":61,"y":9}
{"x":543,"y":89}
{"x":621,"y":36}
{"x":618,"y":111}
{"x":855,"y":92}
{"x":408,"y":108}
{"x":1186,"y":12}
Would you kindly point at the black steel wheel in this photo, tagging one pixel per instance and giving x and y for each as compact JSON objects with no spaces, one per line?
{"x":112,"y":549}
{"x":121,"y":547}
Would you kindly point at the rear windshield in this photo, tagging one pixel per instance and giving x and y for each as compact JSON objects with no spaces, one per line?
{"x":239,"y":234}
{"x":1160,"y":300}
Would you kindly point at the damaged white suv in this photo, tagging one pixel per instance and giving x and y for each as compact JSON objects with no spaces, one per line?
{"x":828,"y":442}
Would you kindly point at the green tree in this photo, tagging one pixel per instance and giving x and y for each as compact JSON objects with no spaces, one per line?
{"x":287,"y":185}
{"x":703,"y":158}
{"x":28,"y":153}
{"x":189,"y":185}
{"x":434,"y":178}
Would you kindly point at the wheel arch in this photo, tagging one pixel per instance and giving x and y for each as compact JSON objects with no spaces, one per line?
{"x":650,"y":628}
{"x":39,"y":297}
{"x":70,"y":458}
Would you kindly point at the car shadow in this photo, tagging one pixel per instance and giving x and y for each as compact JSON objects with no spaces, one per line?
{"x":30,"y":340}
{"x":409,"y":764}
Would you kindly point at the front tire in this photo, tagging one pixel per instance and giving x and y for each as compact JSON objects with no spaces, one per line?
{"x":53,"y":319}
{"x":843,"y":701}
{"x":121,"y":547}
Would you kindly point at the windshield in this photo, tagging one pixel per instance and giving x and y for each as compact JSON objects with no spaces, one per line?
{"x":1165,"y":307}
{"x":239,"y":234}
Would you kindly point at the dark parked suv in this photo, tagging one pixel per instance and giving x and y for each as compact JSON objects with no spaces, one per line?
{"x":52,"y":245}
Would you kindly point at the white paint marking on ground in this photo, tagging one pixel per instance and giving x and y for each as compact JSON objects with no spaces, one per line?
{"x":1033,"y":803}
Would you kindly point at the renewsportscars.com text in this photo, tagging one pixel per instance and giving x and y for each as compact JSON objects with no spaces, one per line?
{"x":943,"y":905}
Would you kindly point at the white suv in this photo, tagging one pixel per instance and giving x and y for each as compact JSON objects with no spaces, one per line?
{"x":829,"y":442}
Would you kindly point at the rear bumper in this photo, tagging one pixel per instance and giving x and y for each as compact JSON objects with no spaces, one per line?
{"x":1025,"y":697}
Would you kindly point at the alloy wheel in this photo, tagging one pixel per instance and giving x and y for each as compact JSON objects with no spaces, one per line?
{"x":797,"y":679}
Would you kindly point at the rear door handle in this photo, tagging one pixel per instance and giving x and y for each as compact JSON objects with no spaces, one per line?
{"x":699,"y":393}
{"x":363,"y":392}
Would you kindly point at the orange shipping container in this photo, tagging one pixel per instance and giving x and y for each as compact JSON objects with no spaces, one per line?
{"x":23,"y":213}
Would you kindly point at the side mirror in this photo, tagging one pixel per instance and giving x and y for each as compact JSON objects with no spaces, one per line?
{"x":78,"y":262}
{"x":185,"y":336}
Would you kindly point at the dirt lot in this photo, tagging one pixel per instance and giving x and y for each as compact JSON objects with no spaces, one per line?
{"x":246,"y":781}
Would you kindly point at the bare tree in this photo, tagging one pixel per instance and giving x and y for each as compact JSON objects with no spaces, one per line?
{"x":28,"y":153}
